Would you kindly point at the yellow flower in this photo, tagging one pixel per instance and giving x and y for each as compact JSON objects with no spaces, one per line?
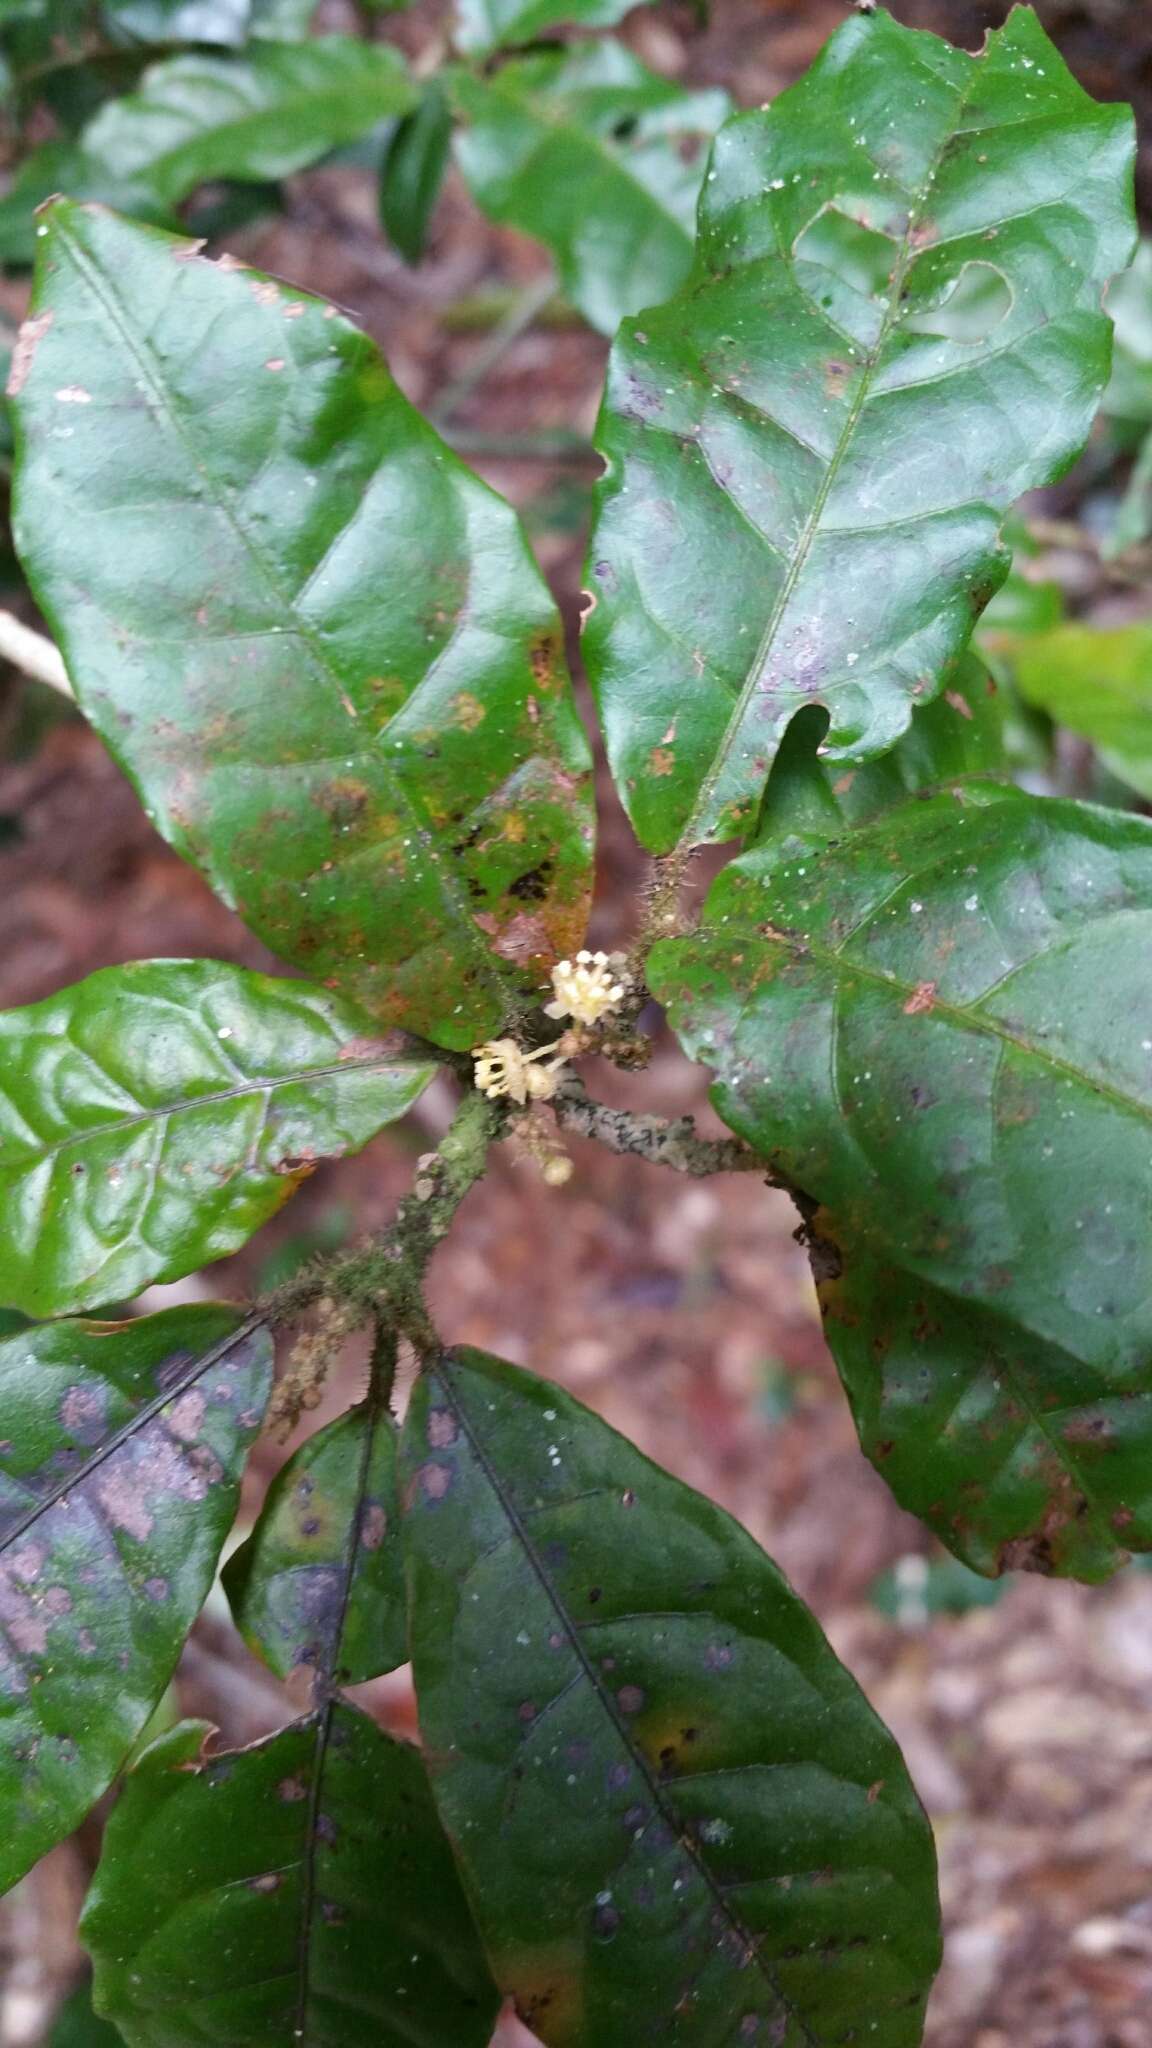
{"x":586,"y":988}
{"x":504,"y":1068}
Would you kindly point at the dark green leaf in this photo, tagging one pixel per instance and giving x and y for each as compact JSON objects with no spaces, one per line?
{"x":317,"y":642}
{"x":118,"y":1483}
{"x":1097,"y":682}
{"x":600,"y":160}
{"x":318,"y":1588}
{"x":413,"y":171}
{"x":300,"y":1890}
{"x":489,"y":24}
{"x":672,"y":1806}
{"x":892,"y":329}
{"x":940,"y":1032}
{"x":152,"y":1117}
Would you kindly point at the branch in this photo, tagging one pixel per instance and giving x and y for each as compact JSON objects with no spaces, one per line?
{"x":662,"y":1140}
{"x":384,"y":1280}
{"x":33,"y":654}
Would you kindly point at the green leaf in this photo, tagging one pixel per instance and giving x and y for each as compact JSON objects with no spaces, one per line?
{"x":318,"y":1588}
{"x":669,"y":1800}
{"x":153,"y":1116}
{"x":227,"y":22}
{"x":961,"y":734}
{"x":892,"y":329}
{"x":77,"y":2026}
{"x":315,"y":640}
{"x":118,"y":1484}
{"x":600,"y":160}
{"x":413,"y":171}
{"x":299,"y":1890}
{"x":483,"y":25}
{"x":940,"y":1032}
{"x":1098,"y":682}
{"x":257,"y":117}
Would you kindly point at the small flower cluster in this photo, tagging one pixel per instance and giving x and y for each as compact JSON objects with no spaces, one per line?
{"x":504,"y":1068}
{"x":586,"y":989}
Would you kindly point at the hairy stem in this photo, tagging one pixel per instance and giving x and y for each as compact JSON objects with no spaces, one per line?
{"x":662,"y":1140}
{"x":385,"y":1280}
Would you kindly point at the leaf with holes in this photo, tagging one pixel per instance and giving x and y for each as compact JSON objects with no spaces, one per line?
{"x":118,"y":1483}
{"x":892,"y":329}
{"x":667,"y":1796}
{"x":152,"y":1117}
{"x":600,"y":160}
{"x":315,"y":640}
{"x":960,"y":735}
{"x":295,"y":1600}
{"x":940,"y":1032}
{"x":300,"y":1890}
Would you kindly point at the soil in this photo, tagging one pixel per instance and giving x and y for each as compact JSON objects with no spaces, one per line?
{"x":684,"y":1312}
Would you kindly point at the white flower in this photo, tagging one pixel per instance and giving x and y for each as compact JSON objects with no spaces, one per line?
{"x":504,"y":1068}
{"x":586,"y":988}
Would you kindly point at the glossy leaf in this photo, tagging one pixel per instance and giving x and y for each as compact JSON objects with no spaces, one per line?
{"x":1098,"y":682}
{"x":118,"y":1483}
{"x":940,"y":1032}
{"x":600,"y":160}
{"x":153,"y":1116}
{"x":961,"y":734}
{"x":413,"y":171}
{"x":483,"y":25}
{"x":892,"y":329}
{"x":318,"y":1588}
{"x":671,"y":1803}
{"x":298,"y":1890}
{"x":315,"y":640}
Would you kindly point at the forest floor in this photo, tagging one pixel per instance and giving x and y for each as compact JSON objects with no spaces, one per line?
{"x":682,"y":1312}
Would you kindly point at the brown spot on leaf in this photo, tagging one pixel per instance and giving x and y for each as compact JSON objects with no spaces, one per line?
{"x":24,"y":354}
{"x":922,"y":999}
{"x":435,"y":1481}
{"x":292,"y":1791}
{"x":374,"y":1526}
{"x":661,"y":761}
{"x":185,"y":1418}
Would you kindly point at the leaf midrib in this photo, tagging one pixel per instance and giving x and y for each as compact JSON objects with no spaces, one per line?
{"x":750,"y":1942}
{"x":303,"y":1078}
{"x":688,"y":836}
{"x":459,"y":915}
